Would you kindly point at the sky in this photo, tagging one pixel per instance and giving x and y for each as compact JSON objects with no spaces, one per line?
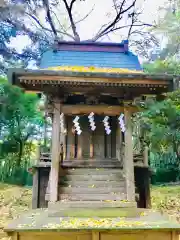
{"x":91,"y":25}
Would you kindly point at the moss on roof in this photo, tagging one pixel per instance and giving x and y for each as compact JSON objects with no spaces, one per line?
{"x":92,"y":69}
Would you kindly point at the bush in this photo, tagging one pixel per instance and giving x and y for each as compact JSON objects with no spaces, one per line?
{"x":163,"y":175}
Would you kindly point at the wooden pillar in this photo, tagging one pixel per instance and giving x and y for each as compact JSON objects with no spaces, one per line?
{"x":35,"y":189}
{"x":54,"y":175}
{"x":128,"y":165}
{"x":63,"y":141}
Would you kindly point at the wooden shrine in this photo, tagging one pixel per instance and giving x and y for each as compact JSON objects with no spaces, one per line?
{"x":92,"y":91}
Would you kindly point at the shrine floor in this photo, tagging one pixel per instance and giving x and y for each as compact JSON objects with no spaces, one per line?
{"x":42,"y":219}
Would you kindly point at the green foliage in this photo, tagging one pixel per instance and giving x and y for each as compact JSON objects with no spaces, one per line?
{"x":13,"y":174}
{"x":20,"y":119}
{"x":164,"y":175}
{"x":168,"y":66}
{"x":20,"y":123}
{"x":160,"y":123}
{"x":169,"y":27}
{"x":165,"y":167}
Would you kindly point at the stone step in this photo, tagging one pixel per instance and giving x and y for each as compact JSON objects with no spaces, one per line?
{"x":89,"y":197}
{"x":123,"y":212}
{"x":90,"y":204}
{"x":96,"y":183}
{"x":98,"y":171}
{"x":91,"y":190}
{"x":88,"y":177}
{"x":92,"y":197}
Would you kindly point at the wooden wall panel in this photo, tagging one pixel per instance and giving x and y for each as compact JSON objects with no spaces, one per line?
{"x":98,"y":138}
{"x":107,"y":145}
{"x":95,"y":235}
{"x":118,"y":143}
{"x":56,"y":236}
{"x":133,"y":235}
{"x":113,"y":136}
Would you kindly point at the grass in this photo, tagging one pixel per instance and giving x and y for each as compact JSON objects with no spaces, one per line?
{"x":15,"y":200}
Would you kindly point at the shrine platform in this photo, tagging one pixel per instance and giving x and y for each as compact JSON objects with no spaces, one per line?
{"x":145,"y":224}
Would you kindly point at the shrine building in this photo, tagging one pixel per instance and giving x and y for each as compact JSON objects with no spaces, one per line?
{"x":92,"y":90}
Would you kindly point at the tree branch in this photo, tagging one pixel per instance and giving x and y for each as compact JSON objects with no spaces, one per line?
{"x":87,"y":15}
{"x":131,"y":26}
{"x":48,"y":14}
{"x":73,"y":25}
{"x":115,"y":6}
{"x":116,"y":19}
{"x":125,"y":26}
{"x":71,"y":4}
{"x":47,"y":29}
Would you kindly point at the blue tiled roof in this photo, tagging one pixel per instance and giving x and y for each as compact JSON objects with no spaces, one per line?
{"x":85,"y":58}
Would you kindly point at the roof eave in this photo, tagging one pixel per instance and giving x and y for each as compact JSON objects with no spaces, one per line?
{"x":25,"y":72}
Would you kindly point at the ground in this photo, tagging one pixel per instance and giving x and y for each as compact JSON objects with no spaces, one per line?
{"x":14,"y":200}
{"x":167,"y":199}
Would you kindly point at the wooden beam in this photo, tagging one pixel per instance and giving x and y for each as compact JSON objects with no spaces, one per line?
{"x":97,"y":109}
{"x":128,"y":158}
{"x":54,"y":174}
{"x":78,"y":79}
